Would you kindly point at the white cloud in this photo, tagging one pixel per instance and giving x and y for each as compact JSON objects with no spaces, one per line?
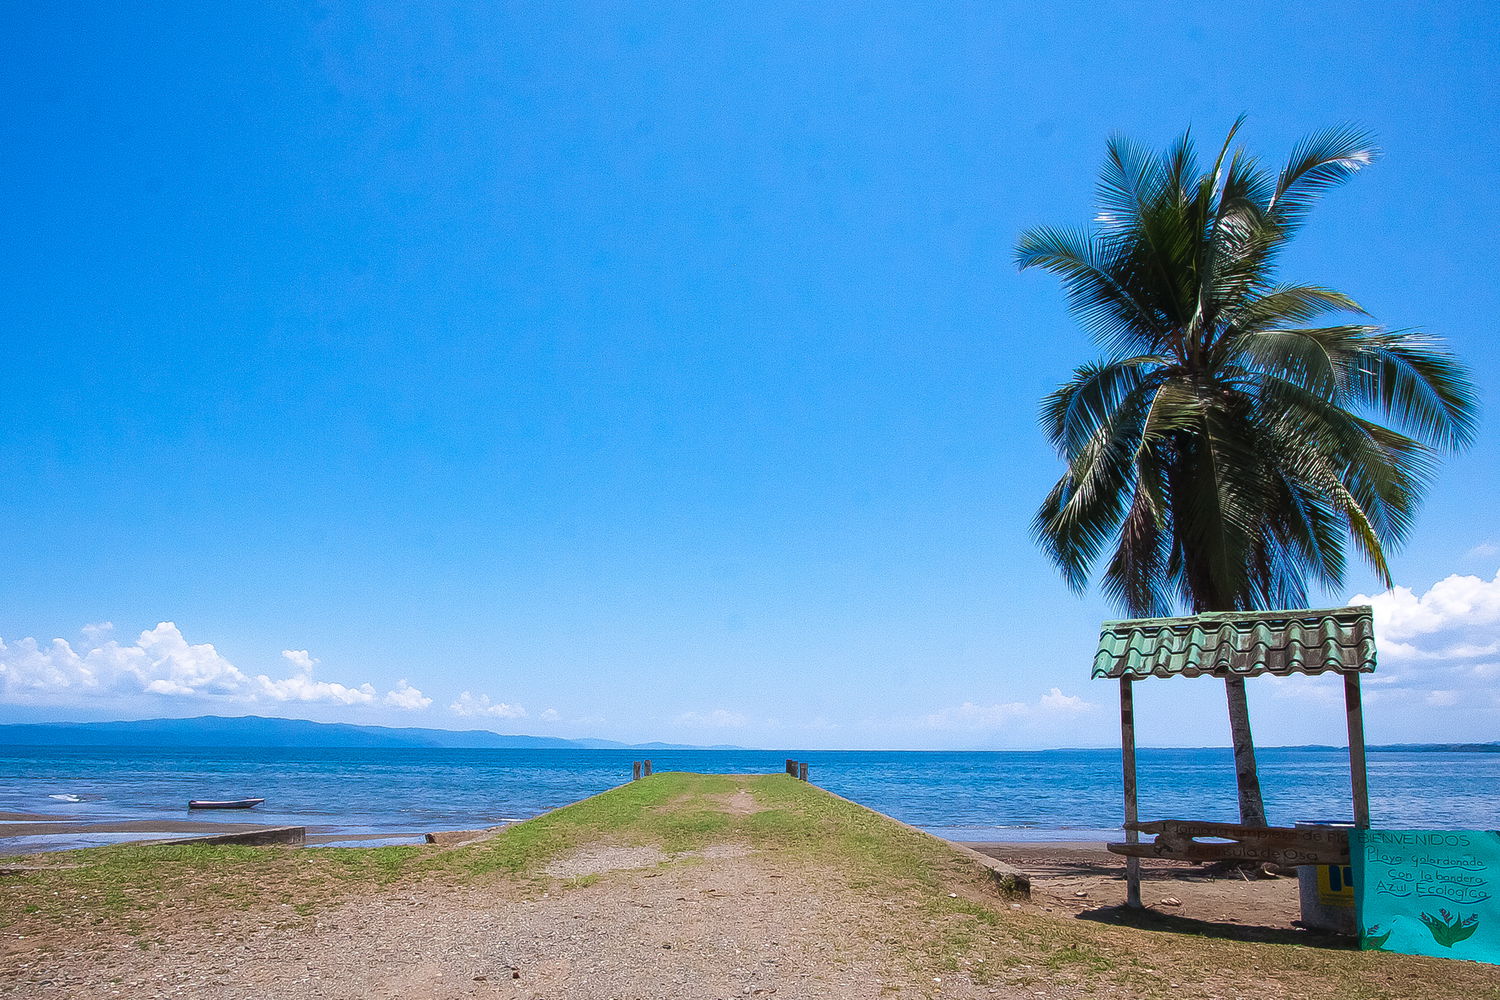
{"x":160,"y":662}
{"x":550,"y":715}
{"x":470,"y":706}
{"x":1442,"y":643}
{"x":300,"y":659}
{"x":301,"y":687}
{"x":970,"y":715}
{"x":1319,"y":688}
{"x":719,"y":718}
{"x":1484,"y":550}
{"x":1056,"y":701}
{"x":404,"y":696}
{"x":1460,"y":608}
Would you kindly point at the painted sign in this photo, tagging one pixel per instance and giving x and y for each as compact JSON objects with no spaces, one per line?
{"x":1428,"y":892}
{"x":1187,"y":840}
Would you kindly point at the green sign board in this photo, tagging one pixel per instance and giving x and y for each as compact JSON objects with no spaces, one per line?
{"x":1428,"y":892}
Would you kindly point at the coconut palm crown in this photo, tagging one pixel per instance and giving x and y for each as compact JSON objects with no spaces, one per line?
{"x":1238,"y":432}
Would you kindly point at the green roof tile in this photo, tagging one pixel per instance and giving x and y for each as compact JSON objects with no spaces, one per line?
{"x":1240,"y":643}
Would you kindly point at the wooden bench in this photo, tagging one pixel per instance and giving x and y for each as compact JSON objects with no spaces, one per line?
{"x":1184,"y":840}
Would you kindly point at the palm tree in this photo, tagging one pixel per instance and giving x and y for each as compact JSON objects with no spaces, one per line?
{"x":1238,"y":431}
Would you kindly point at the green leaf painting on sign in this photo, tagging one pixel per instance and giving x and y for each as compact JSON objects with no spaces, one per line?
{"x":1448,"y":929}
{"x":1428,"y":892}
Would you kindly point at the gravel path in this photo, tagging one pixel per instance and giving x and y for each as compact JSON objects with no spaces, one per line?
{"x":717,"y":925}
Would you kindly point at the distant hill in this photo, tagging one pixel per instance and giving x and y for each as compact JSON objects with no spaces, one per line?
{"x":1440,"y":747}
{"x":256,"y":731}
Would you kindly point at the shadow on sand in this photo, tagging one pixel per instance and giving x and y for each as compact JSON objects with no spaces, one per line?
{"x":1155,"y":920}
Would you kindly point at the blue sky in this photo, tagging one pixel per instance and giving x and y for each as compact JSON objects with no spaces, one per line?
{"x":655,"y":374}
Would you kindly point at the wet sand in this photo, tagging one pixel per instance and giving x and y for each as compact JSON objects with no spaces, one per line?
{"x":37,"y":828}
{"x":17,"y":831}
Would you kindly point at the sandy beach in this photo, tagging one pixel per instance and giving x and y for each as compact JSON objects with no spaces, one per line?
{"x":1080,"y":877}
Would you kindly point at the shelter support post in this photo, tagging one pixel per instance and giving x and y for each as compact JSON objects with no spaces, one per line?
{"x":1357,"y":776}
{"x":1127,"y":756}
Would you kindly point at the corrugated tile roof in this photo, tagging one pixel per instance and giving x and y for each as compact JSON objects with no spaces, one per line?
{"x":1221,"y":644}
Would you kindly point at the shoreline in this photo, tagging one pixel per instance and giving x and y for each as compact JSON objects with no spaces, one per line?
{"x":37,"y":833}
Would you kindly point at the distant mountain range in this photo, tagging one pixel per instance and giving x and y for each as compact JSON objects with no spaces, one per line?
{"x":256,"y":731}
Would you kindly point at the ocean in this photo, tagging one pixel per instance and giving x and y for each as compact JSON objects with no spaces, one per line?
{"x":978,"y":796}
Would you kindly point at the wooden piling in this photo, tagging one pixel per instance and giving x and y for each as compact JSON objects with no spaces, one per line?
{"x":802,"y":770}
{"x":647,"y":768}
{"x":635,"y":770}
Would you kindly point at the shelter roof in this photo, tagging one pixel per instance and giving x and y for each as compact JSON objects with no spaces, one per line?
{"x":1239,"y":643}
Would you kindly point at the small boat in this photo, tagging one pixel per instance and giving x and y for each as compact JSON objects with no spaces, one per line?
{"x":227,"y":804}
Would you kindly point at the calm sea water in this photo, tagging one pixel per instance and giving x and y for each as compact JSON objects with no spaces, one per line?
{"x":1005,"y":795}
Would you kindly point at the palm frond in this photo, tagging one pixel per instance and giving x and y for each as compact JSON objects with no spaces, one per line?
{"x":1285,"y":305}
{"x":1085,"y":507}
{"x":1321,"y":161}
{"x":1074,"y":412}
{"x":1127,"y":180}
{"x":1408,"y":377}
{"x":1099,"y":294}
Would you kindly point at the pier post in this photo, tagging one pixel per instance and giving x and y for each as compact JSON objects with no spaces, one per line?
{"x":791,"y":768}
{"x":647,"y":768}
{"x":635,"y":770}
{"x":802,"y":771}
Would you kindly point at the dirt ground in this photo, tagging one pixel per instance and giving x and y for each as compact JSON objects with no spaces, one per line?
{"x":1079,"y":877}
{"x":621,"y":923}
{"x":714,"y":925}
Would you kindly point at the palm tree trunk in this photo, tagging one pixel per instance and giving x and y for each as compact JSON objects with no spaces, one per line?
{"x":1247,"y":777}
{"x":1252,"y":806}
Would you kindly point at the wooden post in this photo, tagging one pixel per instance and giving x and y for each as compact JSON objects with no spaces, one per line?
{"x":791,"y":768}
{"x":635,"y":770}
{"x":1357,"y":776}
{"x":646,"y":768}
{"x":802,"y":771}
{"x":1127,"y":757}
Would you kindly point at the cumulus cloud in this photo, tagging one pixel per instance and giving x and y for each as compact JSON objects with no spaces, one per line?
{"x":550,"y":715}
{"x":404,"y":696}
{"x":159,"y":662}
{"x":719,"y":718}
{"x":300,"y":659}
{"x":1455,"y":608}
{"x":1441,"y":645}
{"x":301,"y":687}
{"x":470,"y":705}
{"x":971,"y":715}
